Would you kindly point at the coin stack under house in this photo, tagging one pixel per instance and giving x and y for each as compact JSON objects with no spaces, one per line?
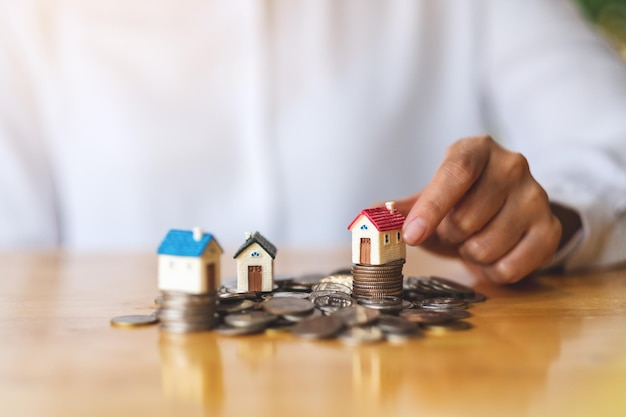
{"x":184,"y":313}
{"x":378,"y":253}
{"x":189,"y":271}
{"x":376,"y":281}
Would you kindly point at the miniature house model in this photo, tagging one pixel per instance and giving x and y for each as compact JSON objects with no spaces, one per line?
{"x":189,"y":262}
{"x":255,"y":264}
{"x":377,"y":236}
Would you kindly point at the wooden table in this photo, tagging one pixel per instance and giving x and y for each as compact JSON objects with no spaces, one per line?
{"x":552,"y":346}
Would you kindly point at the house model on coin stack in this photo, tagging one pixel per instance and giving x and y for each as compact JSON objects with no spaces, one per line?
{"x":377,"y":236}
{"x":255,"y":264}
{"x":189,"y":262}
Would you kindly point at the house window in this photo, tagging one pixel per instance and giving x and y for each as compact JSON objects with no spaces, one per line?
{"x":364,"y":227}
{"x":255,"y":254}
{"x":399,"y":238}
{"x":386,"y":239}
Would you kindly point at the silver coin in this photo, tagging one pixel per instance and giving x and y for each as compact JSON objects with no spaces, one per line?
{"x":451,"y":286}
{"x":394,"y":324}
{"x":425,"y":316}
{"x":342,"y":279}
{"x":187,"y":297}
{"x":331,"y":286}
{"x":186,"y":315}
{"x":134,"y":320}
{"x":455,"y":313}
{"x":414,"y":296}
{"x":382,"y":301}
{"x":236,"y":307}
{"x":187,"y":327}
{"x":295,"y":319}
{"x":412,"y":283}
{"x":377,"y":268}
{"x":226,"y":296}
{"x":442,"y":303}
{"x":293,"y":294}
{"x":158,"y":300}
{"x":357,"y":277}
{"x":357,"y":315}
{"x":376,"y":293}
{"x":251,"y":319}
{"x":313,"y":295}
{"x":361,"y":335}
{"x":288,"y":306}
{"x":339,"y":300}
{"x":391,"y":264}
{"x":227,"y":330}
{"x":396,"y":282}
{"x":318,"y":328}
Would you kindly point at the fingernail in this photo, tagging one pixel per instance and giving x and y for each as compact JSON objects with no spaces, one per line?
{"x":415,"y":231}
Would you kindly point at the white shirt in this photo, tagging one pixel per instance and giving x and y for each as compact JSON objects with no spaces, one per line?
{"x":122,"y":119}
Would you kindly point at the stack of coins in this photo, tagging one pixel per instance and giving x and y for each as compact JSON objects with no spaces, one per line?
{"x":322,"y":310}
{"x":184,"y":313}
{"x":377,"y":281}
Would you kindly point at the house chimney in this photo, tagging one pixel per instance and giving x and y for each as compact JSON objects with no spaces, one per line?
{"x":248,"y":235}
{"x":391,"y":206}
{"x":197,"y":234}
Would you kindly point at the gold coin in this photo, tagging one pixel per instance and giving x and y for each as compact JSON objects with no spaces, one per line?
{"x":134,"y":320}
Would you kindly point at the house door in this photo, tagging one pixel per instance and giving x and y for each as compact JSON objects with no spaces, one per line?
{"x":366,"y":249}
{"x":210,"y":277}
{"x":255,"y":278}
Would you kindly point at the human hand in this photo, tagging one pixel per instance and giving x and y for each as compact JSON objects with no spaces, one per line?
{"x":484,"y":207}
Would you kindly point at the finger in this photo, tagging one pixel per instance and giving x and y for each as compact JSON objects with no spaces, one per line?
{"x":534,"y":250}
{"x":463,"y":164}
{"x":528,"y":205}
{"x":497,"y":238}
{"x":436,"y":245}
{"x":474,"y":211}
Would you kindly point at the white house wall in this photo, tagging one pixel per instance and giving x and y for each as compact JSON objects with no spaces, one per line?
{"x":181,"y":273}
{"x":380,"y":253}
{"x":244,"y":260}
{"x":370,"y":233}
{"x":189,"y":274}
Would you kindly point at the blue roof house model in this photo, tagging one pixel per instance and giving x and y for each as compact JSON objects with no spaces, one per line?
{"x":189,"y":262}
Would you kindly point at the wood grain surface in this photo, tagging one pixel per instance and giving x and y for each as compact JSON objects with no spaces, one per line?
{"x":550,"y":346}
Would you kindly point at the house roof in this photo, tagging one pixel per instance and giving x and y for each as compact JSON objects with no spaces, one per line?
{"x":182,"y":243}
{"x":382,"y":219}
{"x":262,"y":241}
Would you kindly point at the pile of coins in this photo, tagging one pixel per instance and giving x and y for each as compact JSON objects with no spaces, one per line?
{"x":323,"y":308}
{"x":377,"y":281}
{"x":183,"y":313}
{"x":315,"y":306}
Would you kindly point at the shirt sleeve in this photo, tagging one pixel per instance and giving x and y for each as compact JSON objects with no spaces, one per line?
{"x":28,"y":216}
{"x":556,"y":92}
